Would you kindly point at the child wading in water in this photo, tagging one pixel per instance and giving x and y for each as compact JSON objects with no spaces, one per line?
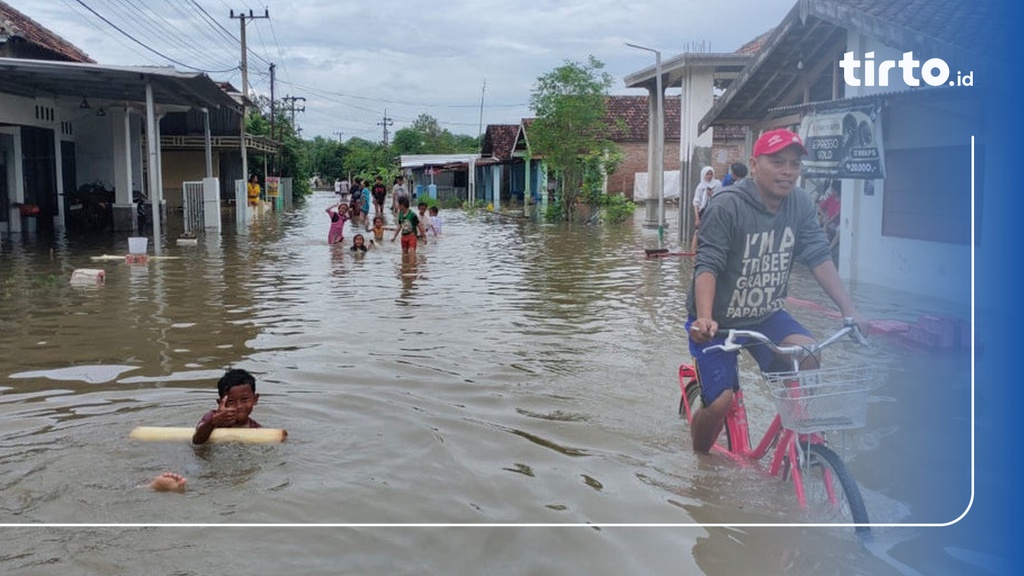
{"x":378,"y":228}
{"x":339,"y":215}
{"x":409,"y":225}
{"x":435,"y":221}
{"x":237,"y":390}
{"x":358,"y":243}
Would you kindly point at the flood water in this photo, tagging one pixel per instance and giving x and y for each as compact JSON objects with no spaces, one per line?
{"x":515,"y":383}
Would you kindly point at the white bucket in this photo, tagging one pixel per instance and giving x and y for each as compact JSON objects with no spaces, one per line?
{"x":137,"y":244}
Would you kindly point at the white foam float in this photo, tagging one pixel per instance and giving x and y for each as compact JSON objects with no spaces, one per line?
{"x":219,"y":435}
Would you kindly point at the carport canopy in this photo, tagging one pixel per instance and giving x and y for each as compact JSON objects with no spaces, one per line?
{"x":123,"y":84}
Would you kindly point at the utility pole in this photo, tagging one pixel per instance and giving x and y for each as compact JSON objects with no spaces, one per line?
{"x":291,"y":107}
{"x":245,"y":84}
{"x":273,"y":107}
{"x":273,"y":117}
{"x":242,"y":16}
{"x":385,"y":122}
{"x":480,"y":130}
{"x":338,"y":134}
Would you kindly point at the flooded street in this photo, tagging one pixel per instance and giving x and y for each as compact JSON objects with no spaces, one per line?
{"x":513,"y":372}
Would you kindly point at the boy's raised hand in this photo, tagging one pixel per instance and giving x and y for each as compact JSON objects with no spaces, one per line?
{"x":223,"y":416}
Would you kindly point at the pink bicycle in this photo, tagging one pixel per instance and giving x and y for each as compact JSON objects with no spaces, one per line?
{"x":810,"y":404}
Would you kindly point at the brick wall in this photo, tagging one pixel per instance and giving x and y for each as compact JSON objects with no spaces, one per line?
{"x":635,"y":160}
{"x":727,"y":148}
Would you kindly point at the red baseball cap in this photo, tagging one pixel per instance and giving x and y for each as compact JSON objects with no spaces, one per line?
{"x":775,"y":140}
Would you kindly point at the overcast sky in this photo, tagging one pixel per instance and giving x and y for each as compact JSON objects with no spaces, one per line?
{"x":352,"y":60}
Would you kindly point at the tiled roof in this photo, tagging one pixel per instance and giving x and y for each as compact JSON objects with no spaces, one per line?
{"x":499,"y":140}
{"x":966,"y":25}
{"x":632,"y":111}
{"x":752,"y":47}
{"x":14,"y":24}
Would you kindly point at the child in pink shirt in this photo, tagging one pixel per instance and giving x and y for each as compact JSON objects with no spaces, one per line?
{"x":339,"y":215}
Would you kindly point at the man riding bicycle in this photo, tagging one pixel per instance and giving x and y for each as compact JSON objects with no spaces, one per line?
{"x":749,"y":236}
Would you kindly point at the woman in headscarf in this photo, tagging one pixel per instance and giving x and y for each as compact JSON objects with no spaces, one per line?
{"x":701,"y":196}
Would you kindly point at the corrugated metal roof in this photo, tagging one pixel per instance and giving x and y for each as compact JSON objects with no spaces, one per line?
{"x":32,"y":78}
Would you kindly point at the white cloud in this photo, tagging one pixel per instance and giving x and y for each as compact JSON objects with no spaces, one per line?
{"x":353,"y":60}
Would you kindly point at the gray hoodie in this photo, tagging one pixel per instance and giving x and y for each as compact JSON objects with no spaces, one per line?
{"x":751,"y":251}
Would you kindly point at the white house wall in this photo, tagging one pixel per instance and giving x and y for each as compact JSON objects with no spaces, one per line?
{"x":94,"y":149}
{"x":933,"y":269}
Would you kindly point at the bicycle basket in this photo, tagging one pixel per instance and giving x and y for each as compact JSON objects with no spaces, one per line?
{"x":824,"y":399}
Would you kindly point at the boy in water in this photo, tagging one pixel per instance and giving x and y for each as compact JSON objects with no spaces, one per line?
{"x":409,"y":225}
{"x":435,"y":221}
{"x":424,"y":219}
{"x":237,"y":390}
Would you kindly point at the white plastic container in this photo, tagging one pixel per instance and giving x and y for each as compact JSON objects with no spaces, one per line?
{"x":88,"y":277}
{"x":137,"y":244}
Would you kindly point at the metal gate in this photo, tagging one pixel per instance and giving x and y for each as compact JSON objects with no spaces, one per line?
{"x":192,"y":202}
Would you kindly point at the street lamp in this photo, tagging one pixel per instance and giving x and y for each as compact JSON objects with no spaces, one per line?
{"x":657,"y":180}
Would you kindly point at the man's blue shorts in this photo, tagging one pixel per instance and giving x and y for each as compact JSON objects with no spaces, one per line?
{"x":717,"y":369}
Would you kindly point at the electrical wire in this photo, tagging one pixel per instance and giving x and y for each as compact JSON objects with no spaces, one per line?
{"x":147,"y":47}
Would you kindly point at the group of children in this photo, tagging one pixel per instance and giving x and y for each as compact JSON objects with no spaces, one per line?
{"x":411,"y":226}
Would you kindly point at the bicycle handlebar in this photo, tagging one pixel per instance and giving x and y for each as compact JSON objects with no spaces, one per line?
{"x":730,"y":345}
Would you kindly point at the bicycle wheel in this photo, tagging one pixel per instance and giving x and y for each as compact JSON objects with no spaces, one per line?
{"x":830,"y":488}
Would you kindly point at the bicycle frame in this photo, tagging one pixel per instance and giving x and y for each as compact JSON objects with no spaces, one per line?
{"x":787,"y":453}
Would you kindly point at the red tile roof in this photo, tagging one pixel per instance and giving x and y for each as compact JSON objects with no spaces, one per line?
{"x":754,"y":46}
{"x":632,"y":111}
{"x":499,"y":140}
{"x":14,"y":24}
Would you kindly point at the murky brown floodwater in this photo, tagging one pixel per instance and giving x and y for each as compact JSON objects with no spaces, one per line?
{"x":514,"y":372}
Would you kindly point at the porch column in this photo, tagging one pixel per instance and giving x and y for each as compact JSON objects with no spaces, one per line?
{"x":527,"y":188}
{"x":496,"y":179}
{"x":124,"y":208}
{"x":155,"y":191}
{"x":651,"y":205}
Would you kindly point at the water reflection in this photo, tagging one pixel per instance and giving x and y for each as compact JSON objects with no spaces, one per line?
{"x":511,"y":371}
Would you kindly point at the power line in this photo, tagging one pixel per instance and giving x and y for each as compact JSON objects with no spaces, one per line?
{"x":385,"y":122}
{"x":144,"y":45}
{"x":291,"y":100}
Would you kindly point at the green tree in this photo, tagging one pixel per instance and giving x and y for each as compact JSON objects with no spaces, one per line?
{"x":425,"y":136}
{"x":370,"y":159}
{"x":569,"y":103}
{"x":292,"y":160}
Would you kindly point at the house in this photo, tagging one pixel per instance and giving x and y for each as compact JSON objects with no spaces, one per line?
{"x":501,"y":172}
{"x":22,"y":37}
{"x":901,"y":152}
{"x":66,"y":121}
{"x":508,"y":166}
{"x":698,"y":75}
{"x":440,"y":176}
{"x":628,"y":119}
